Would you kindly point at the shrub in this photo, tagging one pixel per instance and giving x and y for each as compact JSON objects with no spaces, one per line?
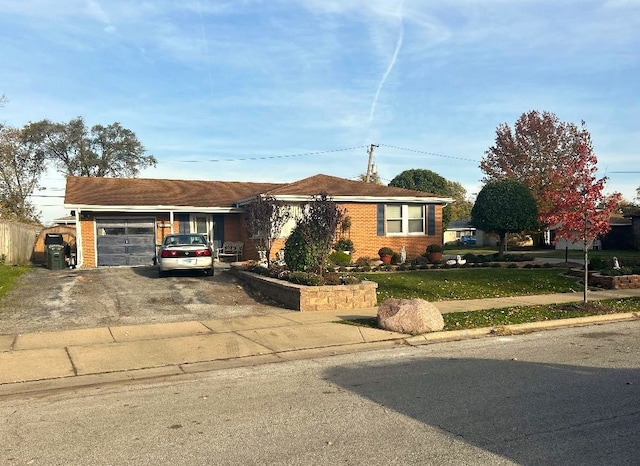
{"x":344,"y":244}
{"x":260,"y":269}
{"x":340,"y":258}
{"x":298,"y":253}
{"x":362,"y":261}
{"x":597,"y":263}
{"x":611,"y":272}
{"x":332,"y":278}
{"x":306,"y":278}
{"x":395,"y":258}
{"x":385,"y":251}
{"x":434,"y":248}
{"x":470,"y":258}
{"x":350,"y":280}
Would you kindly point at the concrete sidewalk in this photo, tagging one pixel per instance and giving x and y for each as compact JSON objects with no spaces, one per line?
{"x":48,"y":360}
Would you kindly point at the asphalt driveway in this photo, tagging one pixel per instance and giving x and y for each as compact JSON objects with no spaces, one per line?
{"x":45,"y":300}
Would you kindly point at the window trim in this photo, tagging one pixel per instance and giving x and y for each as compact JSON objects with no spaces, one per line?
{"x":404,"y":218}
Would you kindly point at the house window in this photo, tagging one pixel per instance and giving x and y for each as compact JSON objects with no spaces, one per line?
{"x":404,"y":219}
{"x":394,"y":219}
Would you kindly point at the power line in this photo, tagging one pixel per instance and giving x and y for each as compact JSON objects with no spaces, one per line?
{"x":428,"y":153}
{"x":273,"y":156}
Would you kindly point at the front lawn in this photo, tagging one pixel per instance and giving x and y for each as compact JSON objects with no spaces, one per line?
{"x":471,"y":283}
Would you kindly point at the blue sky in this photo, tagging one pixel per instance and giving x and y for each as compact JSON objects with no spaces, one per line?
{"x":278,"y":90}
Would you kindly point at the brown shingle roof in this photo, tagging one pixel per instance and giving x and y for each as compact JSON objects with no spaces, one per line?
{"x":157,"y":192}
{"x":96,"y":191}
{"x":335,"y":186}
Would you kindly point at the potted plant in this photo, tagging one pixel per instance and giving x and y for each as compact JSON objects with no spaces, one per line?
{"x":344,"y":245}
{"x":434,"y":252}
{"x":386,"y":254}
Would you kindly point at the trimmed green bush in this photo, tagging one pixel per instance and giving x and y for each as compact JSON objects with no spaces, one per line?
{"x":297,"y":253}
{"x":340,"y":258}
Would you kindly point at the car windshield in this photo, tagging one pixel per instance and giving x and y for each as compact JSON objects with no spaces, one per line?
{"x":180,"y":240}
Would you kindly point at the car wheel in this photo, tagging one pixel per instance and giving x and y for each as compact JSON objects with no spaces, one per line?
{"x":209,"y":272}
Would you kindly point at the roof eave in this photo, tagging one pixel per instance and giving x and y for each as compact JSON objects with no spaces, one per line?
{"x":370,"y":199}
{"x":151,"y":208}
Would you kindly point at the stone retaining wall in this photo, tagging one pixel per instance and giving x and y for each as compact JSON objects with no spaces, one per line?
{"x":312,"y":298}
{"x":615,"y":283}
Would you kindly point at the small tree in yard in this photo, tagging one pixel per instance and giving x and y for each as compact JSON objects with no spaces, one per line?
{"x":264,"y":219}
{"x":581,"y":211}
{"x":504,"y":206}
{"x":318,"y":227}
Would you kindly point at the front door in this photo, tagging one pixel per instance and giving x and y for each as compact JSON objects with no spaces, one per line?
{"x":202,"y":223}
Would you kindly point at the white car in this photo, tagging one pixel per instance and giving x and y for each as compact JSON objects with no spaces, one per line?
{"x":185,"y":252}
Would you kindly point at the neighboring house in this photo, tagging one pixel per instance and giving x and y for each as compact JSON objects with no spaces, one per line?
{"x":619,"y":237}
{"x":633,"y":213}
{"x":120,"y":221}
{"x":461,"y":232}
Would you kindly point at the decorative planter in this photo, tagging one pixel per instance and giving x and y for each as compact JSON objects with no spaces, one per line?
{"x":312,"y":298}
{"x":435,"y":256}
{"x":386,"y":259}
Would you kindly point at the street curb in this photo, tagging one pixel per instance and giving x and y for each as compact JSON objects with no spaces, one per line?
{"x":518,"y":329}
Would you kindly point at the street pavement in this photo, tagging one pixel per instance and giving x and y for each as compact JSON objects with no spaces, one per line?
{"x":33,"y":362}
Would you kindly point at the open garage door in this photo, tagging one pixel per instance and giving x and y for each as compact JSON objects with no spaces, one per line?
{"x":128,"y":241}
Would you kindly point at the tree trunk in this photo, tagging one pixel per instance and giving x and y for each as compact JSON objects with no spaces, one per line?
{"x":502,"y":244}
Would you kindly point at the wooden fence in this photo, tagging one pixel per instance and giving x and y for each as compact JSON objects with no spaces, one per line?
{"x":16,"y":242}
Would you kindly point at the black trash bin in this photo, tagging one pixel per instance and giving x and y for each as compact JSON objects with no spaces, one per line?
{"x":54,"y":243}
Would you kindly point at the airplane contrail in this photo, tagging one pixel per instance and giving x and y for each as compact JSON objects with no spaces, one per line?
{"x":389,"y":68}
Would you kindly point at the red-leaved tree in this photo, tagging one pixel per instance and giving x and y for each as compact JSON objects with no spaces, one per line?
{"x":580,"y":211}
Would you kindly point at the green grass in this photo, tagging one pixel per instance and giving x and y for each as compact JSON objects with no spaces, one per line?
{"x":8,"y":276}
{"x":554,"y":253}
{"x":471,"y":283}
{"x":524,"y":314}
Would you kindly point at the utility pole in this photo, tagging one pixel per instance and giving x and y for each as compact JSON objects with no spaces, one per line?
{"x":370,"y":164}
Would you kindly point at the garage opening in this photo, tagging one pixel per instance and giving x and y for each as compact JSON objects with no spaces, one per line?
{"x":128,"y":241}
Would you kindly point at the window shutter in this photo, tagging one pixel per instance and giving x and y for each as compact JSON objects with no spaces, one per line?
{"x":431,"y":220}
{"x":380,"y":220}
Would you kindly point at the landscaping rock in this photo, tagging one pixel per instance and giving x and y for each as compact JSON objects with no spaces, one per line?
{"x":413,"y":316}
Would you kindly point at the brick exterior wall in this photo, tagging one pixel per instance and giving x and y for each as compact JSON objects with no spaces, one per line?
{"x":363,"y":233}
{"x":88,"y":238}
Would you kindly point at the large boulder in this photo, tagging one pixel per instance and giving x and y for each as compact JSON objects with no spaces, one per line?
{"x":412,"y":316}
